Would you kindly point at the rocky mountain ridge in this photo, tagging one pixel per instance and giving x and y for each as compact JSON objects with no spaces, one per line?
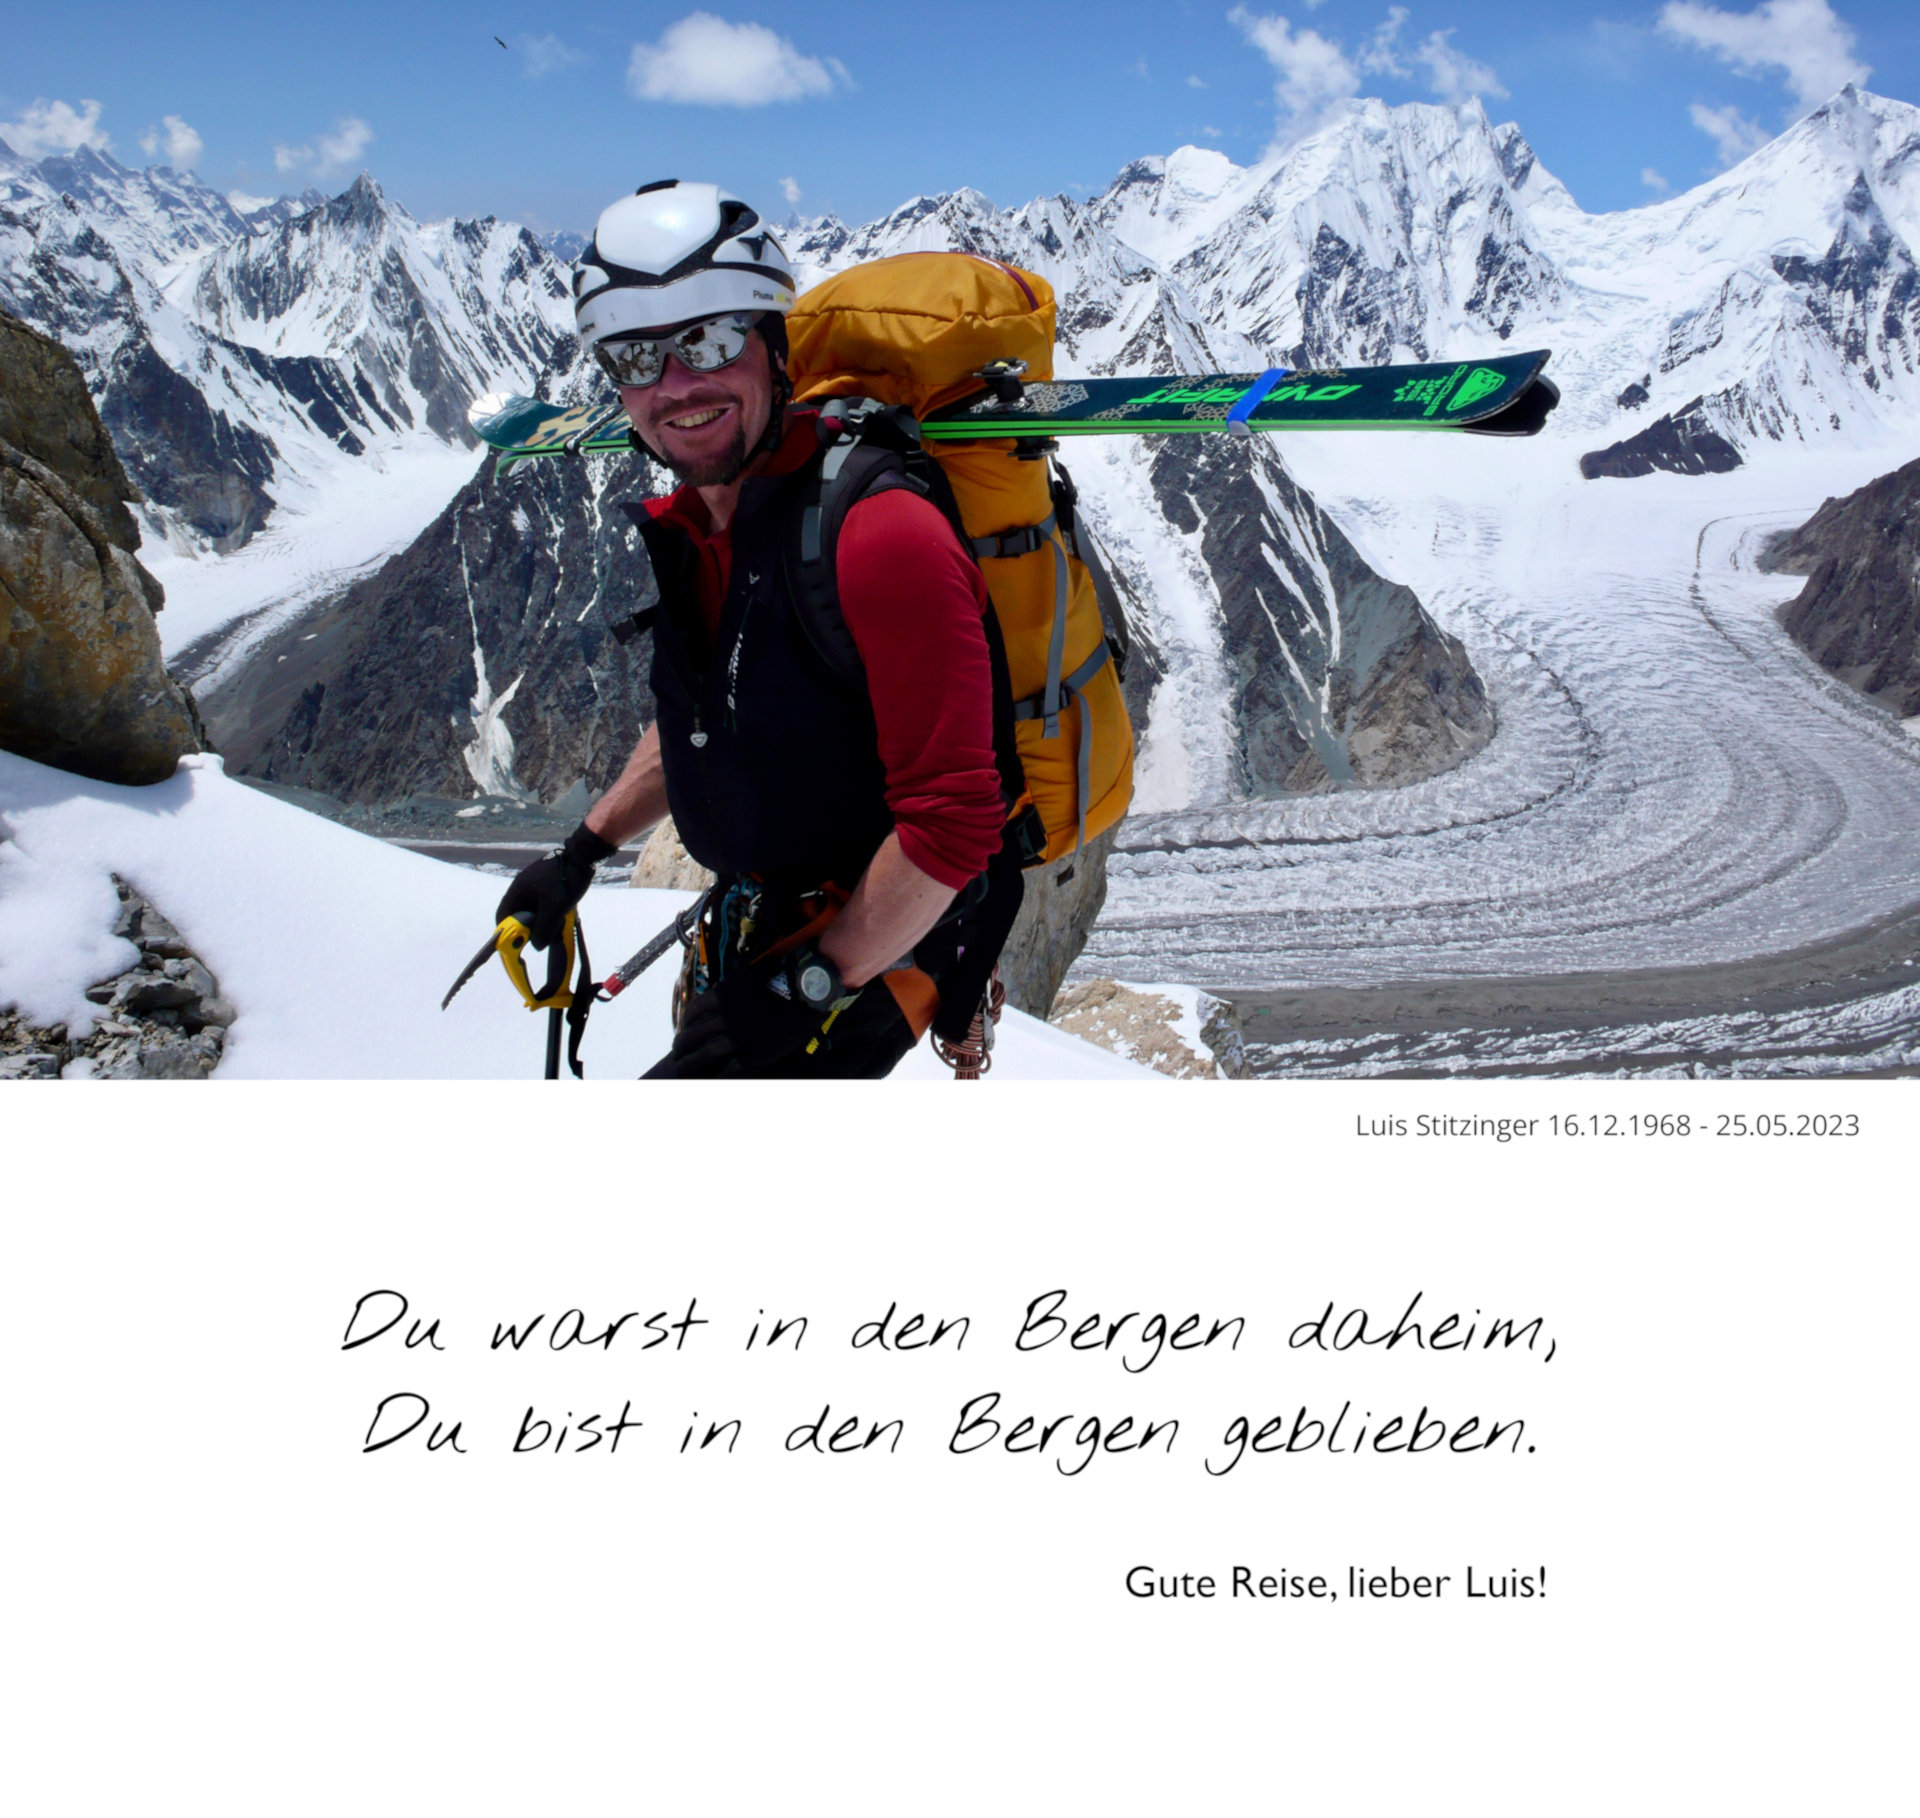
{"x":478,"y":662}
{"x":238,"y":358}
{"x":1774,"y":303}
{"x":1859,"y":614}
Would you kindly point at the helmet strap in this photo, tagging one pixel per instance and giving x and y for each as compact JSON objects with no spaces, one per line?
{"x":772,"y":330}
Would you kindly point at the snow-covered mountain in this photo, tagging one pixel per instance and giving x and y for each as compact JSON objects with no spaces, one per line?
{"x":243,"y":357}
{"x":1776,"y":304}
{"x":240,"y":358}
{"x":1779,"y":297}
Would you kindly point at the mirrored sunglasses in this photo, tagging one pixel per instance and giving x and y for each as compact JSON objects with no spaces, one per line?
{"x":699,"y":347}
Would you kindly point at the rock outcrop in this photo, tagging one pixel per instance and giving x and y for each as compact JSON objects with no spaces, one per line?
{"x":665,"y":864}
{"x":82,"y":682}
{"x":1338,"y":676}
{"x":1154,"y":1029}
{"x":1859,"y":614}
{"x":163,"y":1018}
{"x":196,"y":461}
{"x":1061,"y":903}
{"x":1683,"y":442}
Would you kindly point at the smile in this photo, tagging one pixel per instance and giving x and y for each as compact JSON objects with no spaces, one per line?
{"x":697,"y":419}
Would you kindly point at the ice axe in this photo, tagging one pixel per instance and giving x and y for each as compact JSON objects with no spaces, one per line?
{"x":565,"y":1004}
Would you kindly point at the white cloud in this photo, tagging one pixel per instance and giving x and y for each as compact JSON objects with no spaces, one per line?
{"x":343,"y":146}
{"x":543,"y":55}
{"x":52,"y":126}
{"x":1380,"y":55}
{"x":704,"y":61}
{"x":1730,"y":129}
{"x":1211,"y":132}
{"x":1195,"y":82}
{"x":791,"y":189}
{"x":179,"y":145}
{"x":1452,"y":75}
{"x":328,"y":154}
{"x":1804,"y":39}
{"x":1654,"y":181}
{"x":1140,"y":69}
{"x":1316,"y":77}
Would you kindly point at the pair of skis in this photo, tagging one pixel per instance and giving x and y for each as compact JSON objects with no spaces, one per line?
{"x":1505,"y":396}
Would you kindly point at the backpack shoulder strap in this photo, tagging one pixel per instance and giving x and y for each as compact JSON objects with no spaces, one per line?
{"x":876,"y":449}
{"x":883,"y":451}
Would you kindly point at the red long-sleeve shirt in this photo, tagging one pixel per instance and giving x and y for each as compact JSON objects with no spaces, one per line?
{"x":913,"y":601}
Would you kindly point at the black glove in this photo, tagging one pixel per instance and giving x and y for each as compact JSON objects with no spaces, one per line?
{"x":545,"y":890}
{"x":742,"y":1028}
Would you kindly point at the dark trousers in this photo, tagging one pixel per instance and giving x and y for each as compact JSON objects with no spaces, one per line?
{"x":867,"y":1041}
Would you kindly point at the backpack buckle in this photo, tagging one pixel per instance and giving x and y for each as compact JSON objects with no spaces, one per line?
{"x":867,"y":419}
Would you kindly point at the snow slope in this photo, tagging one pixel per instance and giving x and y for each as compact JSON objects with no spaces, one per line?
{"x":335,"y":947}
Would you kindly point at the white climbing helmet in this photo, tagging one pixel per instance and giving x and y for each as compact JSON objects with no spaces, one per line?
{"x":672,"y":253}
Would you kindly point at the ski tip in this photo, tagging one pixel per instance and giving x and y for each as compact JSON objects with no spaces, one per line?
{"x":1525,"y":416}
{"x":489,"y":406}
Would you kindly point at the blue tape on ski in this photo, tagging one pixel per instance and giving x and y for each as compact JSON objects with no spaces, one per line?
{"x":1251,"y":399}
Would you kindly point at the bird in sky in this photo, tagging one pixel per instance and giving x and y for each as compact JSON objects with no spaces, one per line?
{"x":500,"y":41}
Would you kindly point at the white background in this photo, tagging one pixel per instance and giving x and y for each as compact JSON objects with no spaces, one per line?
{"x":218,"y":1604}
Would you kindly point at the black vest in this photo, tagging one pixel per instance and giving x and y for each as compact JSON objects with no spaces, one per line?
{"x":772,"y":762}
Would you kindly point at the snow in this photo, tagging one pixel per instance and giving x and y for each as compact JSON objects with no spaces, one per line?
{"x":335,"y":947}
{"x":326,"y":537}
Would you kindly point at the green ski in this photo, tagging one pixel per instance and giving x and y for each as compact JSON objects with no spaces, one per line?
{"x":1507,"y":395}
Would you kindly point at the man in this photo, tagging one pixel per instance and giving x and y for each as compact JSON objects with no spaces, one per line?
{"x":850,"y":834}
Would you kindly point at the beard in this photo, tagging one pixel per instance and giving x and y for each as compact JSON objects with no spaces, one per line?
{"x":716,"y":470}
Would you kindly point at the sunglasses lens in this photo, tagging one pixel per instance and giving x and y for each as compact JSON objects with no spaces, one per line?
{"x":707,"y":346}
{"x":703,"y":347}
{"x":631,"y":362}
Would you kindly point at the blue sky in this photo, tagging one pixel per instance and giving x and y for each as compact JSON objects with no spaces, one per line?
{"x":855,"y":107}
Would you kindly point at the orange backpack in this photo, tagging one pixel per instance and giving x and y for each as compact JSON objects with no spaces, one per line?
{"x":881,"y":346}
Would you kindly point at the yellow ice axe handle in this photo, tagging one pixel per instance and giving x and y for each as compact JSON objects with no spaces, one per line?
{"x":510,"y":940}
